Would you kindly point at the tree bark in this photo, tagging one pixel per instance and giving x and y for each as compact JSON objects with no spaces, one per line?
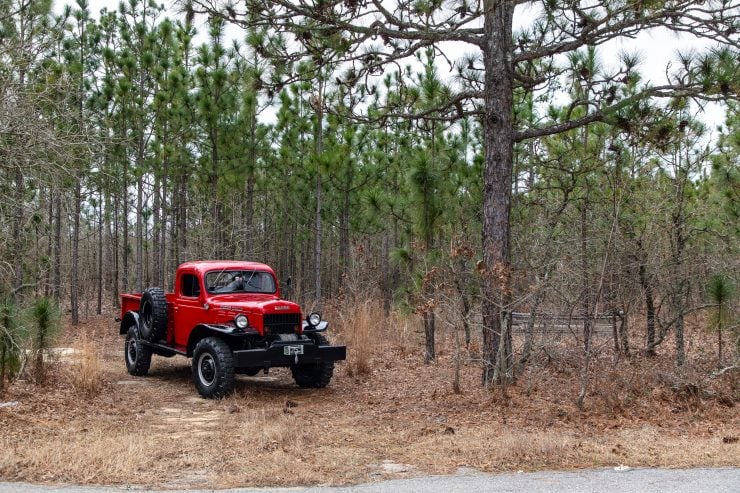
{"x":217,"y":208}
{"x":74,"y":281}
{"x":344,"y":224}
{"x":115,"y":244}
{"x":647,"y":289}
{"x":99,"y":305}
{"x":385,"y":273}
{"x":678,"y":244}
{"x":462,"y":280}
{"x":124,"y":232}
{"x":17,"y":254}
{"x":623,"y":333}
{"x":156,"y":233}
{"x":139,"y":220}
{"x":251,"y":250}
{"x":319,"y":150}
{"x":251,"y":237}
{"x":164,"y":221}
{"x":183,"y":219}
{"x":498,"y":159}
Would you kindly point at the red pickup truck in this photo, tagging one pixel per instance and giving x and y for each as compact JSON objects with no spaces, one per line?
{"x":228,"y":317}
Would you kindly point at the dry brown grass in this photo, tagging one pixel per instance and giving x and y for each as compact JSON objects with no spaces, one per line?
{"x":85,"y":372}
{"x":358,"y":328}
{"x":156,"y":431}
{"x":76,"y":454}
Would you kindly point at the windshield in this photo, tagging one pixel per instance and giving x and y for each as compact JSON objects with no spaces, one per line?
{"x":240,"y":281}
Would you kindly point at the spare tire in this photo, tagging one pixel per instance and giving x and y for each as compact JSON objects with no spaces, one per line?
{"x":153,"y":315}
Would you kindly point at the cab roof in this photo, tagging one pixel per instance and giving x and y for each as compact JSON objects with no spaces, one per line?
{"x":204,"y":266}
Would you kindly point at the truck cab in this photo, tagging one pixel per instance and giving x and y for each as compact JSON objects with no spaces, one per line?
{"x":229,"y":317}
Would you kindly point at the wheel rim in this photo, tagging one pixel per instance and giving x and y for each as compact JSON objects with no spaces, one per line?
{"x":131,"y":351}
{"x":207,"y":369}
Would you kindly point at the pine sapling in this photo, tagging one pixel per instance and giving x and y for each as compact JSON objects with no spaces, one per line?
{"x":45,"y":317}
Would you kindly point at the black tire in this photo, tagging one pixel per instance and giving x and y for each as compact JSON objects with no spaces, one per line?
{"x":314,"y":375}
{"x":213,"y":368}
{"x":138,"y":356}
{"x":153,"y":315}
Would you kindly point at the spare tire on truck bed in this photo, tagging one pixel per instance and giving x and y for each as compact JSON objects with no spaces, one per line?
{"x":153,"y":315}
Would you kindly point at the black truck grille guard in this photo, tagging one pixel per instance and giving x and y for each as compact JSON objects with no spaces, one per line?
{"x":282,"y":323}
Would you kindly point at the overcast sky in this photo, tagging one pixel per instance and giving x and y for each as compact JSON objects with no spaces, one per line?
{"x":657,"y":48}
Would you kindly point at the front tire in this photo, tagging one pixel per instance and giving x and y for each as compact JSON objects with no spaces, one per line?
{"x":138,"y":356}
{"x":213,"y":368}
{"x":315,"y":375}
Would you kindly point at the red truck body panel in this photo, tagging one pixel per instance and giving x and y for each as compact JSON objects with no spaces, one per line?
{"x":129,"y":303}
{"x":189,"y":305}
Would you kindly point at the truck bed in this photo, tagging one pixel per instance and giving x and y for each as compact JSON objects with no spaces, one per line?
{"x":130,"y":303}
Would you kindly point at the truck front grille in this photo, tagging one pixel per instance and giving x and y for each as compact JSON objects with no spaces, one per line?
{"x":282,"y":323}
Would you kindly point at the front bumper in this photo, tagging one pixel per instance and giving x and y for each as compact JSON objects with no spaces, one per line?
{"x":275,"y":355}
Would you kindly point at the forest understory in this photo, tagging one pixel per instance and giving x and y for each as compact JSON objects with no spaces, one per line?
{"x":385,"y":414}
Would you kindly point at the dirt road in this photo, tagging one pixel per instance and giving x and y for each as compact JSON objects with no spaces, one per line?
{"x":715,"y":480}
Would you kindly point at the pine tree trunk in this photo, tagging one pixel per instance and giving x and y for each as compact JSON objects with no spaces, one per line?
{"x":625,"y":343}
{"x":74,"y":278}
{"x":719,"y":337}
{"x":140,"y":222}
{"x":647,"y":289}
{"x":585,"y":279}
{"x":115,"y":246}
{"x":319,"y":150}
{"x":251,"y":242}
{"x":17,"y":235}
{"x":49,"y":286}
{"x":164,"y":221}
{"x":175,"y":231}
{"x":183,"y":215}
{"x":678,"y":244}
{"x":539,"y":298}
{"x":124,"y":232}
{"x":99,"y":306}
{"x":251,"y":237}
{"x":216,"y":208}
{"x":344,"y":218}
{"x":156,"y":234}
{"x":385,"y":272}
{"x":429,"y":350}
{"x":57,"y":283}
{"x":498,"y":159}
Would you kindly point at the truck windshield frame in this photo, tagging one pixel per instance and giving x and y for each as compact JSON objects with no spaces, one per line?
{"x":239,"y":281}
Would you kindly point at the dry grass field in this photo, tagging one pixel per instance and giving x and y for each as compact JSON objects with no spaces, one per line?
{"x":385,"y":415}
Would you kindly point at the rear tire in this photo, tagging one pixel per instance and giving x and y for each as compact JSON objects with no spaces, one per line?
{"x":153,"y":315}
{"x":315,"y":375}
{"x":138,"y":356}
{"x":213,"y":368}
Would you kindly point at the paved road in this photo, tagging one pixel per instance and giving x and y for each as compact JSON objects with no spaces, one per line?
{"x":596,"y":480}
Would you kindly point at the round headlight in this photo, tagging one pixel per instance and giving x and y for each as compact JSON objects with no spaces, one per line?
{"x":314,"y":319}
{"x":241,"y":321}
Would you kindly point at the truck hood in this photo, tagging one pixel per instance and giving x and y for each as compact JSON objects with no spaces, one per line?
{"x":233,"y":304}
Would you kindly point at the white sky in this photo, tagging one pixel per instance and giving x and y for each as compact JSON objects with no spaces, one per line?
{"x":657,"y":48}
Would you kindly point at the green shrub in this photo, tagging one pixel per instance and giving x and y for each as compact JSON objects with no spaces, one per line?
{"x":44,"y":328}
{"x":720,"y":291}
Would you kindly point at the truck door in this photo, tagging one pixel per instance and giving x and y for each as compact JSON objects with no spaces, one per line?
{"x":188,"y":308}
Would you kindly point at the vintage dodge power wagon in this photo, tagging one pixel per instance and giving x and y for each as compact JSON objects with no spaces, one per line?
{"x":228,"y":316}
